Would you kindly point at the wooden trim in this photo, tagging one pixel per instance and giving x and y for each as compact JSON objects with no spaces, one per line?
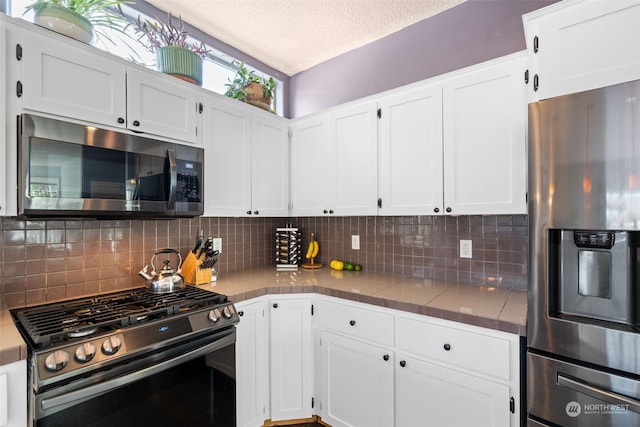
{"x":313,"y":419}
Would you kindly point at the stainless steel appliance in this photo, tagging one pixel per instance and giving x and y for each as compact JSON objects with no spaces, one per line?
{"x":132,"y":357}
{"x":66,"y":169}
{"x":583,"y":360}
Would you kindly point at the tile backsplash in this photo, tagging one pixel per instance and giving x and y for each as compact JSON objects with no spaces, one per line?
{"x":46,"y":260}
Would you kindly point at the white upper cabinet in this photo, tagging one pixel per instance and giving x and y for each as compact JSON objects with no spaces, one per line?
{"x":354,"y":132}
{"x":3,"y":128}
{"x":64,"y":78}
{"x":226,"y":138}
{"x":246,"y":160}
{"x":162,"y":105}
{"x":410,"y":141}
{"x":334,"y":162}
{"x":312,"y":171}
{"x":578,"y":45}
{"x":270,"y":165}
{"x":484,"y":118}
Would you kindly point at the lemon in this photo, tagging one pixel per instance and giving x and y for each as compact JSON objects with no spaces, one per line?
{"x":338,"y":265}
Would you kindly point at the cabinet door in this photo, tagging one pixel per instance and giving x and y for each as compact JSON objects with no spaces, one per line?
{"x":312,"y":169}
{"x":70,"y":80}
{"x":357,"y":383}
{"x":291,"y":358}
{"x":484,"y":140}
{"x":270,"y":166}
{"x":410,"y":174}
{"x":353,"y":130}
{"x":584,"y":45}
{"x":431,"y":395}
{"x":252,"y":365}
{"x":161,"y":105}
{"x":226,"y":138}
{"x":4,"y":135}
{"x":13,"y":394}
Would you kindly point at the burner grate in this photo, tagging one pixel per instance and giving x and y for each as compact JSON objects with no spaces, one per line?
{"x":62,"y":321}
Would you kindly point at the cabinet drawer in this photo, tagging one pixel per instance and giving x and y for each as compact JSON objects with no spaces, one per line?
{"x":481,"y":353}
{"x":370,"y":325}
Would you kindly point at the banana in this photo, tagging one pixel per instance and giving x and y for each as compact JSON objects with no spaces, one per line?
{"x":313,"y":248}
{"x":309,"y":250}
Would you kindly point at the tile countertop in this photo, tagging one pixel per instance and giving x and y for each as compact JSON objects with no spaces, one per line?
{"x":494,"y":308}
{"x":486,"y":306}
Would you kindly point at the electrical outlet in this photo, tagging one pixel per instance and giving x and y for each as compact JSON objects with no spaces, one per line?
{"x":217,"y":244}
{"x":355,"y":242}
{"x":465,"y":249}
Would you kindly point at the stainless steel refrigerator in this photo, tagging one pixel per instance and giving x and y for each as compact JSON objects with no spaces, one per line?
{"x":583,"y":357}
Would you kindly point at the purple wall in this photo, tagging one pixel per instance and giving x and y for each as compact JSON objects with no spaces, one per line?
{"x":472,"y":32}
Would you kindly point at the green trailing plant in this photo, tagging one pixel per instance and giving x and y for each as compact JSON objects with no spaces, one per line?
{"x":238,"y":88}
{"x":101,"y":13}
{"x":156,"y":34}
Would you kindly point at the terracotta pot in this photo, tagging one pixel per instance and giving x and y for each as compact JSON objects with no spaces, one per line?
{"x":254,"y":94}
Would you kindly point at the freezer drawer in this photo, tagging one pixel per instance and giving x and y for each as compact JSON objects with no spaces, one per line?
{"x":570,"y":395}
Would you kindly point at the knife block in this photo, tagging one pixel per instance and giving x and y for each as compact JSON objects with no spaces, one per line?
{"x":192,"y":273}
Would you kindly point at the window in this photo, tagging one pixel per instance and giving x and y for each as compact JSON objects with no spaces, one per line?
{"x":217,"y":68}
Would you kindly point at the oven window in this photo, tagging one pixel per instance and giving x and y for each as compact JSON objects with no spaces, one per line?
{"x":191,"y":394}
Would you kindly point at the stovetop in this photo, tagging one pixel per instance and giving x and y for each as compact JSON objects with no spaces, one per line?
{"x":64,"y":322}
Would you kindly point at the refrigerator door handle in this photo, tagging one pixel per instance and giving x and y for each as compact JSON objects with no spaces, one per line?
{"x":598,"y":393}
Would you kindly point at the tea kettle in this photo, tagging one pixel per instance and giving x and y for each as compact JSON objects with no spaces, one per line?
{"x":167,"y":279}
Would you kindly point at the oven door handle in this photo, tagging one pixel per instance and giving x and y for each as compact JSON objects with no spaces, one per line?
{"x":598,"y":393}
{"x":87,"y":392}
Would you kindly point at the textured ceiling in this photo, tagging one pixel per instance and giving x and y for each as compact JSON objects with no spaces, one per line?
{"x":294,"y":35}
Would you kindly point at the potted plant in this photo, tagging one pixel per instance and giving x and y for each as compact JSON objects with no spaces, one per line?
{"x":249,"y":88}
{"x":175,"y":53}
{"x":82,"y":20}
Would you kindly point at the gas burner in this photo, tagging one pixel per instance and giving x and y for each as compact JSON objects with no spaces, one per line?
{"x":80,"y":330}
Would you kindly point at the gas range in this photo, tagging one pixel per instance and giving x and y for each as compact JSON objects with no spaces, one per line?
{"x":83,"y":342}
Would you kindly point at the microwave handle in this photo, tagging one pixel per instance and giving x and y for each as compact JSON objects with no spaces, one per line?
{"x":173,"y":172}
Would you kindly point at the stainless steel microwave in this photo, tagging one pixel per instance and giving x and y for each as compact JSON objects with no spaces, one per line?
{"x":68,"y":169}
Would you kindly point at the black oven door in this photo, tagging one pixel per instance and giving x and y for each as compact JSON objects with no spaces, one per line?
{"x":193,"y":388}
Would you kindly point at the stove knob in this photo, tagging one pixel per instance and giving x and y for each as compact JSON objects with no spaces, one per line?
{"x":85,"y":352}
{"x":214,"y":315}
{"x":226,"y":312}
{"x":111,"y":345}
{"x":56,"y":360}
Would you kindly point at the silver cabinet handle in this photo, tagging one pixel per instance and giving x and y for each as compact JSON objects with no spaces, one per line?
{"x":598,"y":393}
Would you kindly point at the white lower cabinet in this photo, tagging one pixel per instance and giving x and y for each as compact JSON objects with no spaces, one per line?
{"x":371,"y":366}
{"x":13,"y":394}
{"x":449,"y":374}
{"x":292,"y":361}
{"x":252,"y":364}
{"x":357,"y":379}
{"x":441,"y":373}
{"x":428,"y":394}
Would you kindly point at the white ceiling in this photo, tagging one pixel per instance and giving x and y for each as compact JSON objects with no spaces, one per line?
{"x":294,"y":35}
